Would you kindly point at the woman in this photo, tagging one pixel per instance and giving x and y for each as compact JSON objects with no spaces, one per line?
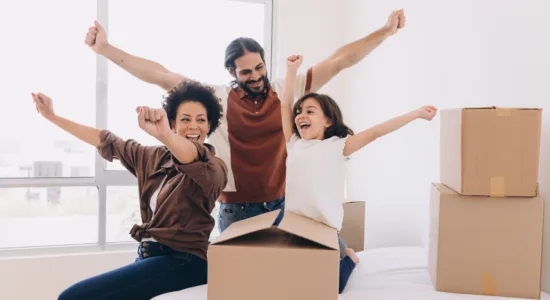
{"x":178,"y":186}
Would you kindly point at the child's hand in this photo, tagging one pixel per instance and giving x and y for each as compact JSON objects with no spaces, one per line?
{"x":426,"y":112}
{"x":395,"y":21}
{"x":293,"y":62}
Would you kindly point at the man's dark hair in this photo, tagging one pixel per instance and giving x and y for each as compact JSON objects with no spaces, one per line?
{"x":193,"y":91}
{"x":238,"y":48}
{"x":332,"y":112}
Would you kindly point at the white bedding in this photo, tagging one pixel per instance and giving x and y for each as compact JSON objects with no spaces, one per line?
{"x":388,"y":273}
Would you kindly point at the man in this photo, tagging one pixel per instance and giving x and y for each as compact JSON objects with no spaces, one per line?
{"x":250,"y":139}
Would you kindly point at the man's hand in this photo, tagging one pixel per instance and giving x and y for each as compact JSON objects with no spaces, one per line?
{"x":293,"y":63}
{"x":154,"y":122}
{"x":395,"y":21}
{"x":96,"y":38}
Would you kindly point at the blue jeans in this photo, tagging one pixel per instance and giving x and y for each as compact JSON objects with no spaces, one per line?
{"x":157,"y":270}
{"x":346,"y":267}
{"x":231,"y":212}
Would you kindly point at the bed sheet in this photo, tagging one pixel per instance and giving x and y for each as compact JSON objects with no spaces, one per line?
{"x":395,"y":273}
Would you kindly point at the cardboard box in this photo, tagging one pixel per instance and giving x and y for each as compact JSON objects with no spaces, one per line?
{"x":485,"y":245}
{"x":353,"y":227}
{"x":252,"y":259}
{"x":490,"y":151}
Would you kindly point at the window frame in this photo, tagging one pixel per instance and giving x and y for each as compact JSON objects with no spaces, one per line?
{"x":104,"y":177}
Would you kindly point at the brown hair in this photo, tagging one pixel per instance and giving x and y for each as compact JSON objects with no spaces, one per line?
{"x":331,"y":111}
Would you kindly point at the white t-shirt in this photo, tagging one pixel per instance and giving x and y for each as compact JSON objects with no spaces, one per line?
{"x":315,"y":179}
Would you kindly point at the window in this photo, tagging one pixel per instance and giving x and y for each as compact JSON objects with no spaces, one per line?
{"x":45,"y":56}
{"x":55,"y":191}
{"x":48,"y":216}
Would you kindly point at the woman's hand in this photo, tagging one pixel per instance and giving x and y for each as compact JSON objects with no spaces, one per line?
{"x":154,"y":122}
{"x":43,"y":105}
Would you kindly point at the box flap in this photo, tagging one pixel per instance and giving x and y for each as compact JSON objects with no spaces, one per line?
{"x":310,"y":230}
{"x":510,"y":108}
{"x":247,"y":226}
{"x":443,"y":189}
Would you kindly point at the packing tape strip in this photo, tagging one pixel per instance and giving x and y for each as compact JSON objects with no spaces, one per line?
{"x":496,"y":186}
{"x":503,"y":112}
{"x":488,"y":284}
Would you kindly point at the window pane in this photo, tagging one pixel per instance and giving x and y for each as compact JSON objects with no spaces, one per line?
{"x":46,"y":54}
{"x":48,"y":216}
{"x":123,"y":213}
{"x":188,"y":37}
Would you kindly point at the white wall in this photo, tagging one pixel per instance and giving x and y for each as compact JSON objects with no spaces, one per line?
{"x":313,"y":33}
{"x":47,"y":277}
{"x":299,"y":30}
{"x":451,"y":54}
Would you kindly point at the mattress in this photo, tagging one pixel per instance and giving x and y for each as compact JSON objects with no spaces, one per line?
{"x":386,"y":273}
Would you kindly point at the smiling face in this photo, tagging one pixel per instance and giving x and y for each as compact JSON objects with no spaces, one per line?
{"x":251,"y":73}
{"x":311,"y":121}
{"x":191,"y":121}
{"x":317,"y":116}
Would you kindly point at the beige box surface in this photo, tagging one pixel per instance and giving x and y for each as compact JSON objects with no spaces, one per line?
{"x":485,"y":245}
{"x":353,"y":227}
{"x":490,"y":151}
{"x":253,"y":259}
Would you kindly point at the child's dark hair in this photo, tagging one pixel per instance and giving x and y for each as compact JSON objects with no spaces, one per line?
{"x":193,"y":91}
{"x":330,"y":109}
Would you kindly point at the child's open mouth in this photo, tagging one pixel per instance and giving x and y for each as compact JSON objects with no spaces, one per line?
{"x":304,"y":125}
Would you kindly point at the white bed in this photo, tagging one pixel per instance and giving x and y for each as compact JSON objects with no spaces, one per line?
{"x":387,"y":273}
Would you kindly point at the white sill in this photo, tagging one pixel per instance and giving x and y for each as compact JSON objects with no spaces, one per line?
{"x":69,"y":250}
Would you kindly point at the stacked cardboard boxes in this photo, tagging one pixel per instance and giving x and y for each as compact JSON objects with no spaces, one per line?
{"x":486,"y":216}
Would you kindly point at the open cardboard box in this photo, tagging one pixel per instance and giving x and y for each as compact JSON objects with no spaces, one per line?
{"x":254,"y":259}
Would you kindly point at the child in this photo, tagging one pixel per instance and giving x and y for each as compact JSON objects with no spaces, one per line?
{"x":318,"y":145}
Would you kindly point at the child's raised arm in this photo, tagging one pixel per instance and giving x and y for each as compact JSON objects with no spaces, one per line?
{"x":293,"y":62}
{"x":363,"y":138}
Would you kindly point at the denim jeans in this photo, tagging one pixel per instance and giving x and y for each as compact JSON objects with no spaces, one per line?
{"x":346,"y":267}
{"x":157,"y":270}
{"x":231,"y":212}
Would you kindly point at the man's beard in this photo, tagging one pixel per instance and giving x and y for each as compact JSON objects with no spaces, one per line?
{"x":251,"y":92}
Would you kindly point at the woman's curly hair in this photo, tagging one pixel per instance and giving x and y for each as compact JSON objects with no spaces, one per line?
{"x":194,"y":91}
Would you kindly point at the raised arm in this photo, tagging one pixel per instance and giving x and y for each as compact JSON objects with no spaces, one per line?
{"x":292,"y":64}
{"x":144,"y":69}
{"x":87,"y":134}
{"x":352,"y":53}
{"x":363,"y":138}
{"x":155,"y":123}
